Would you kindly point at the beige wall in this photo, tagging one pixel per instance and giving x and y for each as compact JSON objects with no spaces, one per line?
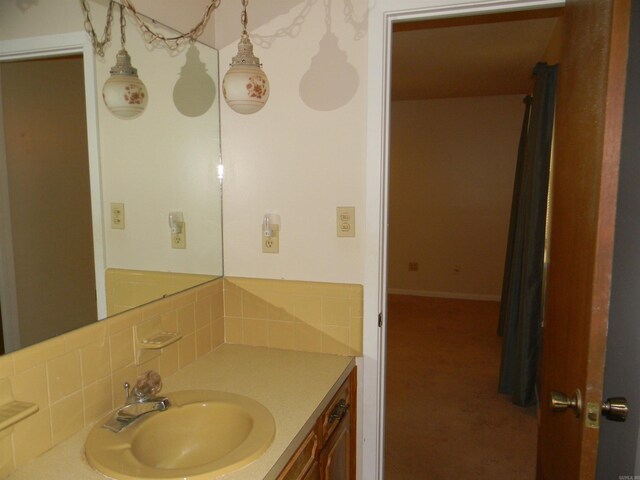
{"x":294,"y":159}
{"x":49,"y":196}
{"x":452,"y":170}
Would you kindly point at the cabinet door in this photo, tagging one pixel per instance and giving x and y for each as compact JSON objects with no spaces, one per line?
{"x":335,"y":457}
{"x":313,"y":473}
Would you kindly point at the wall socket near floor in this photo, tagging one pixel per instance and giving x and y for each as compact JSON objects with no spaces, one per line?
{"x":271,"y":244}
{"x":179,"y":240}
{"x":117,"y":216}
{"x":413,"y":266}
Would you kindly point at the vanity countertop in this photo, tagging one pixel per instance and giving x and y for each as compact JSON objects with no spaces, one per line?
{"x":294,"y":386}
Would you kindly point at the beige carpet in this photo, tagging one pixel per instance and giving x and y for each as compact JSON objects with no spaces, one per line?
{"x":444,"y":417}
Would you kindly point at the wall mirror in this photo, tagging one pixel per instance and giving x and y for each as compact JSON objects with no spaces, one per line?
{"x":85,"y":196}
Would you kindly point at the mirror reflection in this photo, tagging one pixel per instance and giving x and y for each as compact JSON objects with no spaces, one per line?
{"x":102,"y":214}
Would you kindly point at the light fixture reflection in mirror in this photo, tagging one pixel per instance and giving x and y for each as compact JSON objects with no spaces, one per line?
{"x":124,"y":93}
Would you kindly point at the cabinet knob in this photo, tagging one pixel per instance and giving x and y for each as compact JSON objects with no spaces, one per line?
{"x":339,"y":411}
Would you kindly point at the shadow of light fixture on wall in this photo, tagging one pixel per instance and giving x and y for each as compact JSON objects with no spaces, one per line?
{"x":331,"y":80}
{"x":195,"y":90}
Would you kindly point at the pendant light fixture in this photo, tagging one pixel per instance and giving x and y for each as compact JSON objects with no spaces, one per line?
{"x":124,"y":93}
{"x":245,"y":86}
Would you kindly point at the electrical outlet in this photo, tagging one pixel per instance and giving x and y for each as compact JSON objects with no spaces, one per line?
{"x":346,"y":221}
{"x":271,"y":244}
{"x":117,"y":216}
{"x":179,"y":240}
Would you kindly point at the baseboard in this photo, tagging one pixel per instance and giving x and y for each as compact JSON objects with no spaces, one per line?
{"x":461,"y":296}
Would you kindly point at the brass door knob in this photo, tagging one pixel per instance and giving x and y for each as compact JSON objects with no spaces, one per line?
{"x":615,"y":408}
{"x":561,"y":402}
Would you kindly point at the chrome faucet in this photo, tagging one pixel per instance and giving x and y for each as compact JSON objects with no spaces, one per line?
{"x":139,"y":402}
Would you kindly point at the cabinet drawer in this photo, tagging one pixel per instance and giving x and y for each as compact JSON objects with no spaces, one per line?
{"x":336,"y":410}
{"x":303,"y":461}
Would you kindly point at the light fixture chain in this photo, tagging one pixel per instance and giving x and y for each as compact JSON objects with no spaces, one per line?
{"x":123,"y":24}
{"x":98,"y":45}
{"x":172,"y":43}
{"x":243,"y":16}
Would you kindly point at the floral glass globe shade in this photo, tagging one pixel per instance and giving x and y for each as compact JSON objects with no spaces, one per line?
{"x":245,"y":86}
{"x":124,"y":93}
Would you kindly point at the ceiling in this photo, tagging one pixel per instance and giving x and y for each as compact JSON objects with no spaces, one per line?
{"x":472,"y":56}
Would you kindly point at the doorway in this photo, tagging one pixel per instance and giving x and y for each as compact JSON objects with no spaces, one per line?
{"x":47,"y":240}
{"x":452,"y":156}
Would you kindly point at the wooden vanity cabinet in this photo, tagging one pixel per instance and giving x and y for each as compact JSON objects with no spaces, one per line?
{"x":328,"y":451}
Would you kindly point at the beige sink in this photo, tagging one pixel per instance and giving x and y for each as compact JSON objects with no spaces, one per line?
{"x":203,"y":434}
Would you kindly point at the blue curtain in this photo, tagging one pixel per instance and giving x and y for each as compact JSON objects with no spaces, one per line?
{"x":521,"y":308}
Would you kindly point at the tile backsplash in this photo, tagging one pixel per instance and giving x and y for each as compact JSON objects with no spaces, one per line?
{"x":76,"y":378}
{"x":294,"y":315}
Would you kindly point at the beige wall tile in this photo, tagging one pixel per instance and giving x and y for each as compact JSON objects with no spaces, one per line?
{"x":217,"y":305}
{"x":32,"y":436}
{"x":203,"y":312}
{"x":170,"y":360}
{"x":186,"y":319}
{"x":31,"y":386}
{"x":281,"y":335}
{"x":307,"y":338}
{"x":355,"y":336}
{"x":96,"y":362}
{"x":232,"y":303}
{"x":182,"y":299}
{"x":254,"y":307}
{"x":281,"y":306}
{"x":233,"y":330}
{"x":187,"y":349}
{"x":156,"y":308}
{"x":256,"y":332}
{"x":64,"y":375}
{"x":6,"y":366}
{"x":123,"y":321}
{"x":98,"y":400}
{"x":336,"y":311}
{"x":335,"y":340}
{"x":217,"y":332}
{"x":91,"y":334}
{"x":38,"y":354}
{"x":67,"y":417}
{"x":169,"y":321}
{"x":7,"y":464}
{"x":121,"y":349}
{"x":203,"y":341}
{"x":308,"y":309}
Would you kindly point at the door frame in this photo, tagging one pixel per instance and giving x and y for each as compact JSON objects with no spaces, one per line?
{"x":382,"y":15}
{"x":47,"y":46}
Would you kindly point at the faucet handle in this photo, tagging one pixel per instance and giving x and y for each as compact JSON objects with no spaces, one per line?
{"x":148,"y":384}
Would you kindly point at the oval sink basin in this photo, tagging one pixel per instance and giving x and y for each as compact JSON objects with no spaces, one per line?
{"x":202,"y":434}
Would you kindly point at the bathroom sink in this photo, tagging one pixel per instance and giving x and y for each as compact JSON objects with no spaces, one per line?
{"x":203,"y":434}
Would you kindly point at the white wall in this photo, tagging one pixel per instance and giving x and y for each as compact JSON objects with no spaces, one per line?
{"x":452,"y":166}
{"x":293,"y":159}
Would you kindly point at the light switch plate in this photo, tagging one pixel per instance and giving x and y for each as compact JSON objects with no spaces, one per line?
{"x":346,"y":221}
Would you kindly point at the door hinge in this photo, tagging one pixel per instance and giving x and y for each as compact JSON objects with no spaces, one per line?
{"x":380,"y":320}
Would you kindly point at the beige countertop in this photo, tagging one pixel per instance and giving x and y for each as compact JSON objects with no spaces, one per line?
{"x":294,"y":386}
